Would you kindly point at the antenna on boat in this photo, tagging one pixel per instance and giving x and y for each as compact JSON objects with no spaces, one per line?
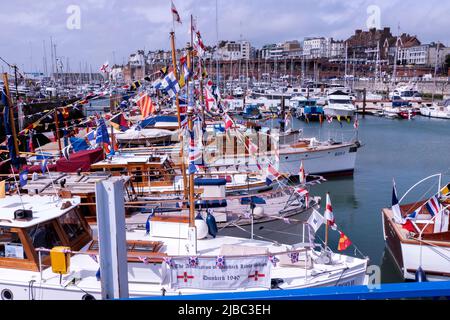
{"x":46,"y":167}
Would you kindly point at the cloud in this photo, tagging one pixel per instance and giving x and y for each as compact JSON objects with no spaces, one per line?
{"x":125,"y":26}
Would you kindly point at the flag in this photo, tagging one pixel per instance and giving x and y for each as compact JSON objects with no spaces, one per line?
{"x":23,"y":178}
{"x":356,"y":124}
{"x":413,"y":216}
{"x":136,"y":85}
{"x":316,"y":220}
{"x":119,"y":122}
{"x":66,"y":152}
{"x":146,"y":106}
{"x":339,"y":120}
{"x":229,"y":123}
{"x":194,"y":154}
{"x":329,"y":119}
{"x":175,"y":14}
{"x":272,"y":174}
{"x":210,"y":100}
{"x":2,"y":189}
{"x":104,"y":67}
{"x":433,"y":206}
{"x":170,"y":85}
{"x":302,"y":174}
{"x":329,"y":213}
{"x":446,"y":190}
{"x":102,"y":133}
{"x":396,"y":207}
{"x":199,"y":47}
{"x":157,"y":84}
{"x":44,"y":165}
{"x":344,"y":242}
{"x":441,"y":222}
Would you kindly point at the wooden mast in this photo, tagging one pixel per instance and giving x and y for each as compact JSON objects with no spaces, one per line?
{"x":11,"y":114}
{"x":190,"y":126}
{"x":177,"y":101}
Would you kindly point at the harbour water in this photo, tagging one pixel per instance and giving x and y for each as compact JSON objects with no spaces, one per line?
{"x":407,"y":151}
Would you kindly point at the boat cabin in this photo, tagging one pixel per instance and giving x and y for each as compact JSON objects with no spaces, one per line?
{"x":31,"y":222}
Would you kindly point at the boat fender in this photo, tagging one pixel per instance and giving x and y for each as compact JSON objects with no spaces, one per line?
{"x":420,"y":275}
{"x":212,"y":225}
{"x":202,"y":229}
{"x":147,"y":223}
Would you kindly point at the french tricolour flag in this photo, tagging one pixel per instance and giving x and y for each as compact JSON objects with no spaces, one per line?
{"x":433,"y":206}
{"x":396,"y":207}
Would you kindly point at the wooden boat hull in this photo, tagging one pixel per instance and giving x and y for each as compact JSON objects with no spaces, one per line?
{"x":407,"y":252}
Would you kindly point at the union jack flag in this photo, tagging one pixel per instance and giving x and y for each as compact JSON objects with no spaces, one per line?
{"x":274,"y":260}
{"x":220,"y":262}
{"x":193,"y":262}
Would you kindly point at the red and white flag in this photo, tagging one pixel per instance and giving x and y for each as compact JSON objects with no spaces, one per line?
{"x":252,"y":148}
{"x":329,"y":213}
{"x":175,"y":14}
{"x":356,"y":124}
{"x":228,"y":122}
{"x":146,"y":105}
{"x":104,"y":67}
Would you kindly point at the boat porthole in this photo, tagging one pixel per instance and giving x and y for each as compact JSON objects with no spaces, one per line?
{"x":88,"y":297}
{"x":7,"y":294}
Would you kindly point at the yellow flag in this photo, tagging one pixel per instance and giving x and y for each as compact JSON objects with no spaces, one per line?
{"x":339,"y":118}
{"x":2,"y":189}
{"x":446,"y":190}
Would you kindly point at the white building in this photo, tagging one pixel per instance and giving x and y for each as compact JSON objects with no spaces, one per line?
{"x":314,"y":48}
{"x":337,"y":49}
{"x":137,"y":59}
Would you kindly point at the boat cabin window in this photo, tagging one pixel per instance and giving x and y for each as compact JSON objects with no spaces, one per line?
{"x":44,"y":236}
{"x":72,"y":225}
{"x":10,"y":245}
{"x":339,"y":101}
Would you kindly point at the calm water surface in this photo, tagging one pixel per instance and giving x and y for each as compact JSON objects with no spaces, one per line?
{"x":405,"y":150}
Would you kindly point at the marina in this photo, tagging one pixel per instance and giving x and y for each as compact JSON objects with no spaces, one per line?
{"x":215,"y":170}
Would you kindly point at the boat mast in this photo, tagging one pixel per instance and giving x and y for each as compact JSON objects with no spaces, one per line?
{"x":177,"y":101}
{"x":192,"y":234}
{"x":11,"y":113}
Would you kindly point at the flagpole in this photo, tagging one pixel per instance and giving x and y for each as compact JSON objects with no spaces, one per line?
{"x":177,"y":101}
{"x":11,"y":113}
{"x":190,"y":110}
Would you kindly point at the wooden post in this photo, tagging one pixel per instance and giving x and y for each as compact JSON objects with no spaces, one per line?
{"x":11,"y":114}
{"x":283,"y":114}
{"x":364,"y":102}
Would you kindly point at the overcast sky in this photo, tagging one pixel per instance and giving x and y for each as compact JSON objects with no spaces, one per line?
{"x":122,"y":27}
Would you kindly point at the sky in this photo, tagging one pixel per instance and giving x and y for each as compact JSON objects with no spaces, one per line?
{"x":90,"y":32}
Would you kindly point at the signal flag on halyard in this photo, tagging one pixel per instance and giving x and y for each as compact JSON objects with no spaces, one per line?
{"x":198,"y":45}
{"x":102,"y":136}
{"x":272,"y":174}
{"x":396,"y":207}
{"x":228,"y":122}
{"x":23,"y":178}
{"x":344,"y":242}
{"x":175,"y":14}
{"x":104,"y":67}
{"x":446,"y":190}
{"x":194,"y":154}
{"x":170,"y":85}
{"x":304,"y":193}
{"x":146,"y":106}
{"x":119,"y":122}
{"x":433,"y":206}
{"x":316,"y":220}
{"x":329,"y":213}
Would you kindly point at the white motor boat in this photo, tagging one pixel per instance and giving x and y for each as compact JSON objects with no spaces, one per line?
{"x":433,"y":110}
{"x":339,"y":104}
{"x":160,"y":260}
{"x":417,"y":234}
